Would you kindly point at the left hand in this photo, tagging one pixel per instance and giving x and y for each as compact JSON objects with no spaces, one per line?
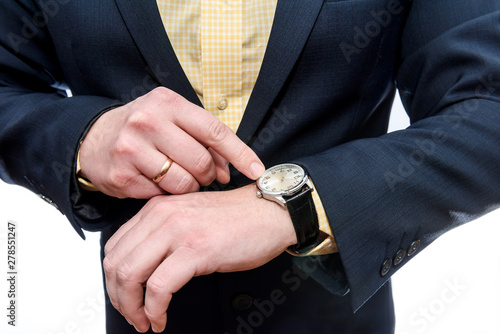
{"x":175,"y":238}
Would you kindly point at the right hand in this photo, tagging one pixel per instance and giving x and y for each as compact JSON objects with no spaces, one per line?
{"x":174,"y":238}
{"x":127,"y":147}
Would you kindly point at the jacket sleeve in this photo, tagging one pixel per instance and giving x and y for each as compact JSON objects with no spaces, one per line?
{"x":397,"y":193}
{"x":40,"y":127}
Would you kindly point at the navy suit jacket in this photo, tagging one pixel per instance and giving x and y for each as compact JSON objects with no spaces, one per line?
{"x":322,"y":99}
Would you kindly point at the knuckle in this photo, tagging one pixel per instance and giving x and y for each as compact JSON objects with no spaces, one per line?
{"x":155,"y":286}
{"x":186,"y":185}
{"x":107,"y":249}
{"x":120,"y":179}
{"x":125,"y":147}
{"x":152,"y":315}
{"x":141,"y":119}
{"x":192,"y":245}
{"x":192,"y":242}
{"x":160,"y":92}
{"x":217,"y":131}
{"x":203,"y":164}
{"x":156,"y":203}
{"x":124,"y":272}
{"x":165,"y":95}
{"x":146,"y":116}
{"x":108,"y":265}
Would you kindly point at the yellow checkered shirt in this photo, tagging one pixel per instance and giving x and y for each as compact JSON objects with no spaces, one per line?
{"x":220,"y":45}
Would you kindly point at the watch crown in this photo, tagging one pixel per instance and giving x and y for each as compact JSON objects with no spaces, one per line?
{"x":259,"y":194}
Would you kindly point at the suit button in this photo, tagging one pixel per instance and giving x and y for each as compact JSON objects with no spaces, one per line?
{"x":48,"y":200}
{"x":242,"y":302}
{"x":386,"y":267}
{"x":413,"y":247}
{"x":400,"y":255}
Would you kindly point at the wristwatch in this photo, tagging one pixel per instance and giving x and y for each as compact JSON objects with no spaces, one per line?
{"x":290,"y":186}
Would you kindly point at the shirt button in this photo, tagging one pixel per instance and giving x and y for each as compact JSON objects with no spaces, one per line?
{"x":222,"y":102}
{"x":242,"y":302}
{"x":413,"y":247}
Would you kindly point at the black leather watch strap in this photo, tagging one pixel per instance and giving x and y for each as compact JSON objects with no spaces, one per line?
{"x":305,"y":220}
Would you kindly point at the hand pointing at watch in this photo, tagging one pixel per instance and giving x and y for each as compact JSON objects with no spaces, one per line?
{"x":126,"y":147}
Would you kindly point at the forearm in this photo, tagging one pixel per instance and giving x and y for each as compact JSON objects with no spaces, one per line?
{"x":39,"y":126}
{"x":383,"y":194}
{"x":39,"y":136}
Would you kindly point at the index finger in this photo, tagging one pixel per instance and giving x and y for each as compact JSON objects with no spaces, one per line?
{"x":211,"y":132}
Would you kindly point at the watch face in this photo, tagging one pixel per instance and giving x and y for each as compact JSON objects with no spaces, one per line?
{"x":282,"y":179}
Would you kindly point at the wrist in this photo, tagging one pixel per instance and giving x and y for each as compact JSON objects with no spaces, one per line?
{"x":289,"y":186}
{"x":81,"y":177}
{"x":274,"y":213}
{"x":84,"y":183}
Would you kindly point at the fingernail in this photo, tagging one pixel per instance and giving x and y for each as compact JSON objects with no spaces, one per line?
{"x":257,"y":170}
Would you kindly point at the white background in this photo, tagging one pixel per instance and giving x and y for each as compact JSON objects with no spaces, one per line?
{"x":451,"y":287}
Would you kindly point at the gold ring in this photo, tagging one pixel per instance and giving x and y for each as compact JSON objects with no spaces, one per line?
{"x":163,"y":171}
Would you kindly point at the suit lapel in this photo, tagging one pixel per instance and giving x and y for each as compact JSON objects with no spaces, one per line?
{"x":292,"y":25}
{"x":146,"y":28}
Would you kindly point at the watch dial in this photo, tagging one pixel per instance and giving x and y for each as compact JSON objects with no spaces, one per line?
{"x":281,"y":178}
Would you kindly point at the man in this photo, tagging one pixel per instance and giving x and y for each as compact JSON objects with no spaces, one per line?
{"x":214,"y":261}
